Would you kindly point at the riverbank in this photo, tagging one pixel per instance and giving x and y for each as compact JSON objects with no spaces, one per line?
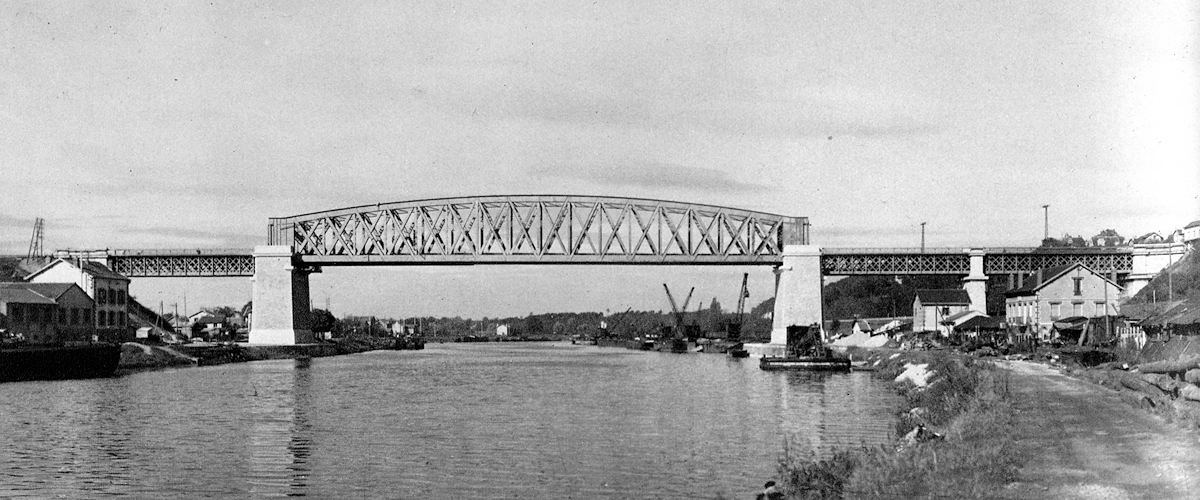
{"x":957,"y":423}
{"x":1013,"y":429}
{"x":142,"y":357}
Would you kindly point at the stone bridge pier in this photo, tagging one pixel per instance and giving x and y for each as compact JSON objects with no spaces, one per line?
{"x":281,"y":298}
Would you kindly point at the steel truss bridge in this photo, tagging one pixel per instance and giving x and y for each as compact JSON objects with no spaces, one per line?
{"x":538,"y":230}
{"x":574,"y":230}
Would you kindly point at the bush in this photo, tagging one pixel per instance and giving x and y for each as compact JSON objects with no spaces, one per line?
{"x":967,"y":398}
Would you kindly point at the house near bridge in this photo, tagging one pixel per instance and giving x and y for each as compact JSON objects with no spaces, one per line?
{"x":932,"y":307}
{"x":109,"y":290}
{"x":1060,"y":292}
{"x":46,"y":313}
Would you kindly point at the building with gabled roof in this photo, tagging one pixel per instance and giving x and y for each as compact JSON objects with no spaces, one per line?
{"x":951,"y":323}
{"x":109,"y":290}
{"x":45,"y":313}
{"x":1060,"y":292}
{"x":930,"y":307}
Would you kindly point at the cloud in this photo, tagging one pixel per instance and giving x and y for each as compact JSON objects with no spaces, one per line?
{"x":192,"y":237}
{"x":651,"y":175}
{"x":8,"y":221}
{"x":803,"y":113}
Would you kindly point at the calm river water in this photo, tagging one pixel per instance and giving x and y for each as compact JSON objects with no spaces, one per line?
{"x":514,"y":420}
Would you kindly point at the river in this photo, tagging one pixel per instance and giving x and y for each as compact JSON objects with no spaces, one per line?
{"x":512,"y":420}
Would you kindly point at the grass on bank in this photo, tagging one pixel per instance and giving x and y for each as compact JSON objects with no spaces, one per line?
{"x":968,"y":402}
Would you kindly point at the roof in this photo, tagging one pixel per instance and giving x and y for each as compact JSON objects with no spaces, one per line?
{"x":1183,"y":313}
{"x":1151,"y":237}
{"x":51,"y":290}
{"x":1050,"y":274}
{"x":22,"y":294}
{"x":981,"y":323}
{"x":1192,"y":224}
{"x":959,"y":315}
{"x":207,"y":317}
{"x":950,"y":296}
{"x":91,"y":267}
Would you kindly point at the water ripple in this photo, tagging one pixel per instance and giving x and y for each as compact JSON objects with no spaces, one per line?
{"x":486,"y":421}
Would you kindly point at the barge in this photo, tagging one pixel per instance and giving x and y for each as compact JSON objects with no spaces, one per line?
{"x":806,"y":351}
{"x":58,"y":362}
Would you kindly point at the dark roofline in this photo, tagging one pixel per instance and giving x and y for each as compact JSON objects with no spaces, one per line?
{"x":104,"y":271}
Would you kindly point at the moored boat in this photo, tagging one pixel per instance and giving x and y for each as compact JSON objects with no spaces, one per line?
{"x":812,"y":363}
{"x":806,"y":351}
{"x":58,"y":362}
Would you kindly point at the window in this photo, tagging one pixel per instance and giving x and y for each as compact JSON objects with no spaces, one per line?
{"x":120,"y":318}
{"x":102,"y":295}
{"x":74,"y":315}
{"x":1055,"y":310}
{"x":121,"y":297}
{"x":1078,"y":286}
{"x":1101,"y":309}
{"x":945,"y":311}
{"x":18,"y":313}
{"x":62,"y":316}
{"x":47,"y":315}
{"x":1077,"y":309}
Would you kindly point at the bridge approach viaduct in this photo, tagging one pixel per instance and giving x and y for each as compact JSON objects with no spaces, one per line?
{"x":577,"y":230}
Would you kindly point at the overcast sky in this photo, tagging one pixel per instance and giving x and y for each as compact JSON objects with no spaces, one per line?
{"x":158,"y":124}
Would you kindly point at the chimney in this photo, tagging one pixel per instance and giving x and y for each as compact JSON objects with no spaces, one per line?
{"x":1039,"y":277}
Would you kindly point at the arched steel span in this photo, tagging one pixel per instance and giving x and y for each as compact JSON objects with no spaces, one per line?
{"x":538,"y":229}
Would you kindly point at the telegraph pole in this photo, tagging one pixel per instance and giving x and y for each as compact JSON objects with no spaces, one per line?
{"x":922,"y":237}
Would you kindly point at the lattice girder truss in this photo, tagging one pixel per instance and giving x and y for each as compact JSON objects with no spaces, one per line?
{"x":915,"y":263}
{"x":873,"y":263}
{"x":1002,"y":263}
{"x":539,"y":229}
{"x":182,"y":266}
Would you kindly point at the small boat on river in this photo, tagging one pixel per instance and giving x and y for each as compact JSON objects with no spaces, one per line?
{"x":806,"y":351}
{"x":811,"y":363}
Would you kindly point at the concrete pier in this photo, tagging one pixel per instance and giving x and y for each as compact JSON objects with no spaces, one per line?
{"x":281,"y":299}
{"x":976,"y":282}
{"x":797,"y":290}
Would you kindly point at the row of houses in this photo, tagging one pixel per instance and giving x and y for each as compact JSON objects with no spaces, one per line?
{"x":1046,"y":298}
{"x":74,"y":300}
{"x":66,"y":301}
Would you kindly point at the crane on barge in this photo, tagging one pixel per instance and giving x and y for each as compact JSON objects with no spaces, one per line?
{"x":678,"y":336}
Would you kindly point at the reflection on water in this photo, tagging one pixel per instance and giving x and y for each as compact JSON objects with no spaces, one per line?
{"x":512,"y":420}
{"x":280,"y":434}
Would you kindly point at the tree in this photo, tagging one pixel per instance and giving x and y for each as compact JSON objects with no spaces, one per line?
{"x":534,"y":326}
{"x":322,"y":321}
{"x":1108,"y":238}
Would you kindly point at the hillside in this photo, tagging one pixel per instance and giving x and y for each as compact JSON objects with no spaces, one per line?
{"x":1184,"y":281}
{"x":878,"y":296}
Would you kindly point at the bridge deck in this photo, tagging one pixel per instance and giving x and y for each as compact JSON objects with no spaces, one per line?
{"x":834,"y":261}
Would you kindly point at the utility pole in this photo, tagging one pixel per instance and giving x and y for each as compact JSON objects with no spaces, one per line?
{"x":1045,"y":221}
{"x":922,"y":237}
